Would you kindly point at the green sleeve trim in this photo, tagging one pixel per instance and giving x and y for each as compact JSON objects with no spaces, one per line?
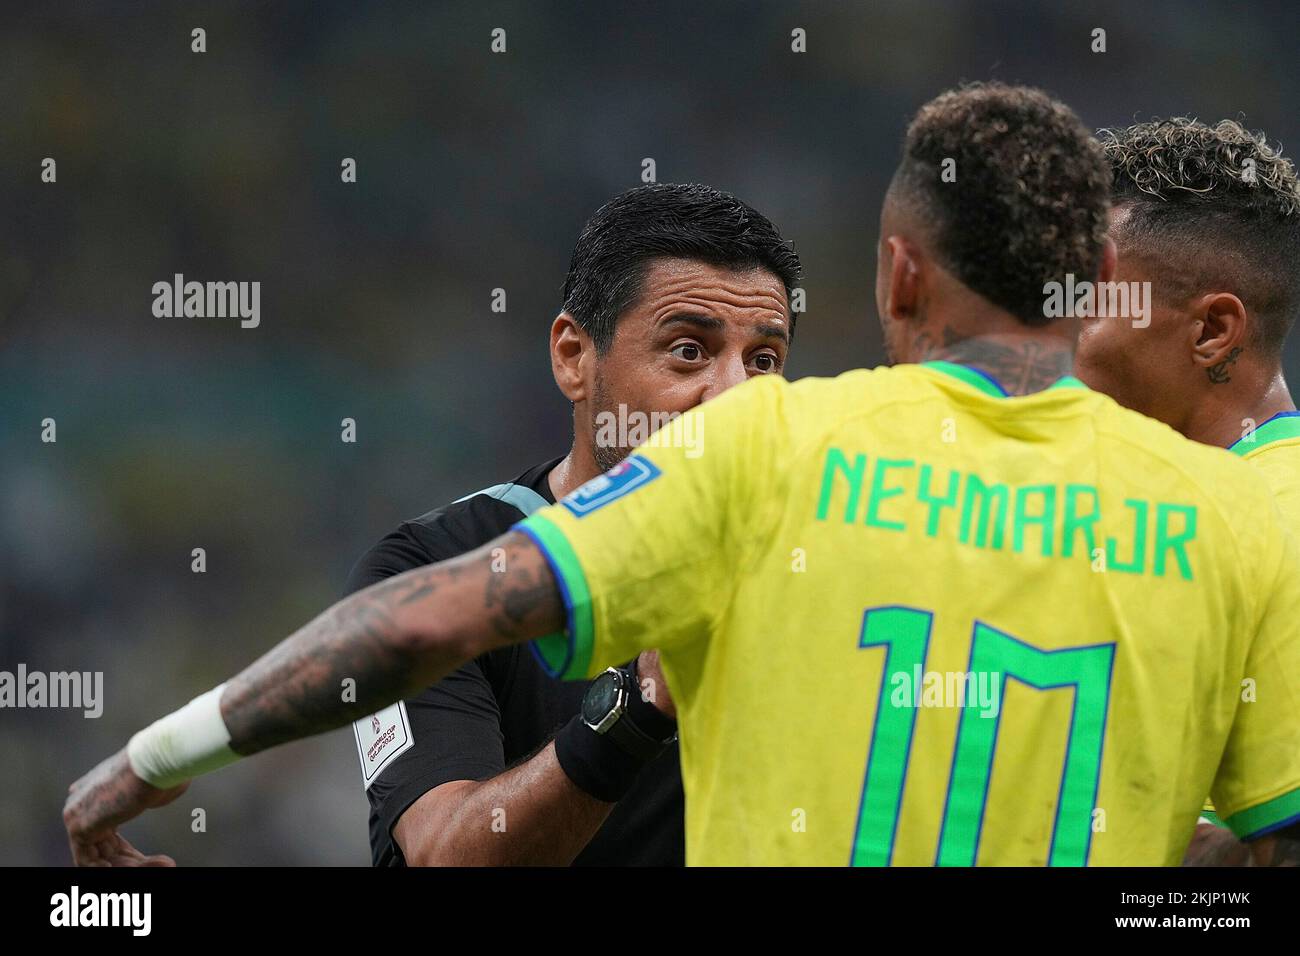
{"x":566,"y":655}
{"x":1261,"y":819}
{"x":1209,"y":816}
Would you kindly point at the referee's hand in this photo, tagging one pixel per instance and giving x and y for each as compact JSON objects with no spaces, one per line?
{"x":653,"y":686}
{"x":103,"y":800}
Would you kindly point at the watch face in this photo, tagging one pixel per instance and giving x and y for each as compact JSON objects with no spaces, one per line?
{"x":602,"y":697}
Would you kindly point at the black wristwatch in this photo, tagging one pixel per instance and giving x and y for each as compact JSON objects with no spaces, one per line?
{"x":613,"y":708}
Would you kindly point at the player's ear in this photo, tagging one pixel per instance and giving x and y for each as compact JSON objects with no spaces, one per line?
{"x":1221,"y":328}
{"x":1109,"y":259}
{"x":571,"y":351}
{"x":902,"y":279}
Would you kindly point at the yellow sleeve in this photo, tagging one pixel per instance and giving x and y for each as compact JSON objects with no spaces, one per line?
{"x":1257,"y":789}
{"x":647,"y":554}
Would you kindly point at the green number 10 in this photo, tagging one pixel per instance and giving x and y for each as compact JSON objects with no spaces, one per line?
{"x":904,"y":633}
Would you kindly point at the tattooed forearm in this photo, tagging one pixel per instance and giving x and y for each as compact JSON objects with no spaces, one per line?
{"x":515,"y":594}
{"x":390,"y":640}
{"x":296,"y":689}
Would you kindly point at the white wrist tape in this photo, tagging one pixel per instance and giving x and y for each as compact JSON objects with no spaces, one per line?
{"x":184,"y":744}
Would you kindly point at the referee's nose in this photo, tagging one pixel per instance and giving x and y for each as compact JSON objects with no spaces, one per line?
{"x":728,"y":371}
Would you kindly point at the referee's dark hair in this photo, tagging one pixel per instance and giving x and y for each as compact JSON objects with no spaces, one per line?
{"x":660,"y":221}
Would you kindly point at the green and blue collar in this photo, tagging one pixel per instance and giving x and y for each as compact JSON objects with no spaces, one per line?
{"x":986,"y":383}
{"x":1280,"y":427}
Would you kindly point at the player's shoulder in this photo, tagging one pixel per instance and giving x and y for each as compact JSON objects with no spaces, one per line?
{"x":861,"y":391}
{"x":1281,"y":455}
{"x":810,"y":394}
{"x":1218,"y":481}
{"x":803,"y":410}
{"x":1219,"y":469}
{"x":1278,"y":463}
{"x":1278,"y":457}
{"x":789,"y":410}
{"x":859,"y":387}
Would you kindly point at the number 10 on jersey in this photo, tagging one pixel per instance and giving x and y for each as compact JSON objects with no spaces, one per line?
{"x":903,"y":634}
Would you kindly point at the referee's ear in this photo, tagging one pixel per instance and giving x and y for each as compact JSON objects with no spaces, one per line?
{"x":573,"y":356}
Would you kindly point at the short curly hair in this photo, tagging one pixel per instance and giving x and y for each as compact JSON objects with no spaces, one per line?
{"x":1030,"y":197}
{"x":1218,"y":208}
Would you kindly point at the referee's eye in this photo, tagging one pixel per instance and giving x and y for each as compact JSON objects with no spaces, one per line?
{"x":688,"y":352}
{"x":765,"y":363}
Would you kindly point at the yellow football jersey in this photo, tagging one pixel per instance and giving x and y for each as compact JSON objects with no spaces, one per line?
{"x":908,"y":619}
{"x":1273,"y":448}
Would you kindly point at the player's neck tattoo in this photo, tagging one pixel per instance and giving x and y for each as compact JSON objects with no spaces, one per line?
{"x":1218,"y":372}
{"x":1021,"y":367}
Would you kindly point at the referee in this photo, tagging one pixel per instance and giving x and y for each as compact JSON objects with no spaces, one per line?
{"x":674,"y":294}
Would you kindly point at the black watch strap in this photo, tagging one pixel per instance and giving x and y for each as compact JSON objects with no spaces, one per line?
{"x":634,"y":740}
{"x":606,"y":765}
{"x":642,"y":730}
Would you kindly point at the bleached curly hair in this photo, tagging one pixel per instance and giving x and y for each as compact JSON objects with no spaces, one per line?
{"x":1219,"y":205}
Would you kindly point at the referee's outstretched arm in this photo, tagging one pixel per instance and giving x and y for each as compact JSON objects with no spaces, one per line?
{"x":392,"y":639}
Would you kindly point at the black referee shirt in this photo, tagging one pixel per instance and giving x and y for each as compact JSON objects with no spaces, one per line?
{"x":499,"y":709}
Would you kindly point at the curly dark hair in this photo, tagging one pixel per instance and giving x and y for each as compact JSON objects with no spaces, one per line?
{"x":1216,"y":208}
{"x":1030,"y":197}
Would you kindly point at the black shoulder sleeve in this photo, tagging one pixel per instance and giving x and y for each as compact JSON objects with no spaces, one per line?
{"x":455,"y":725}
{"x":395,"y":553}
{"x":437,"y":536}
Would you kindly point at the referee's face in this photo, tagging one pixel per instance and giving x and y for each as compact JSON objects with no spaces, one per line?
{"x":695,"y":331}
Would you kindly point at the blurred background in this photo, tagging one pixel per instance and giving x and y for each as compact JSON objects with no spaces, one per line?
{"x":475,"y":171}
